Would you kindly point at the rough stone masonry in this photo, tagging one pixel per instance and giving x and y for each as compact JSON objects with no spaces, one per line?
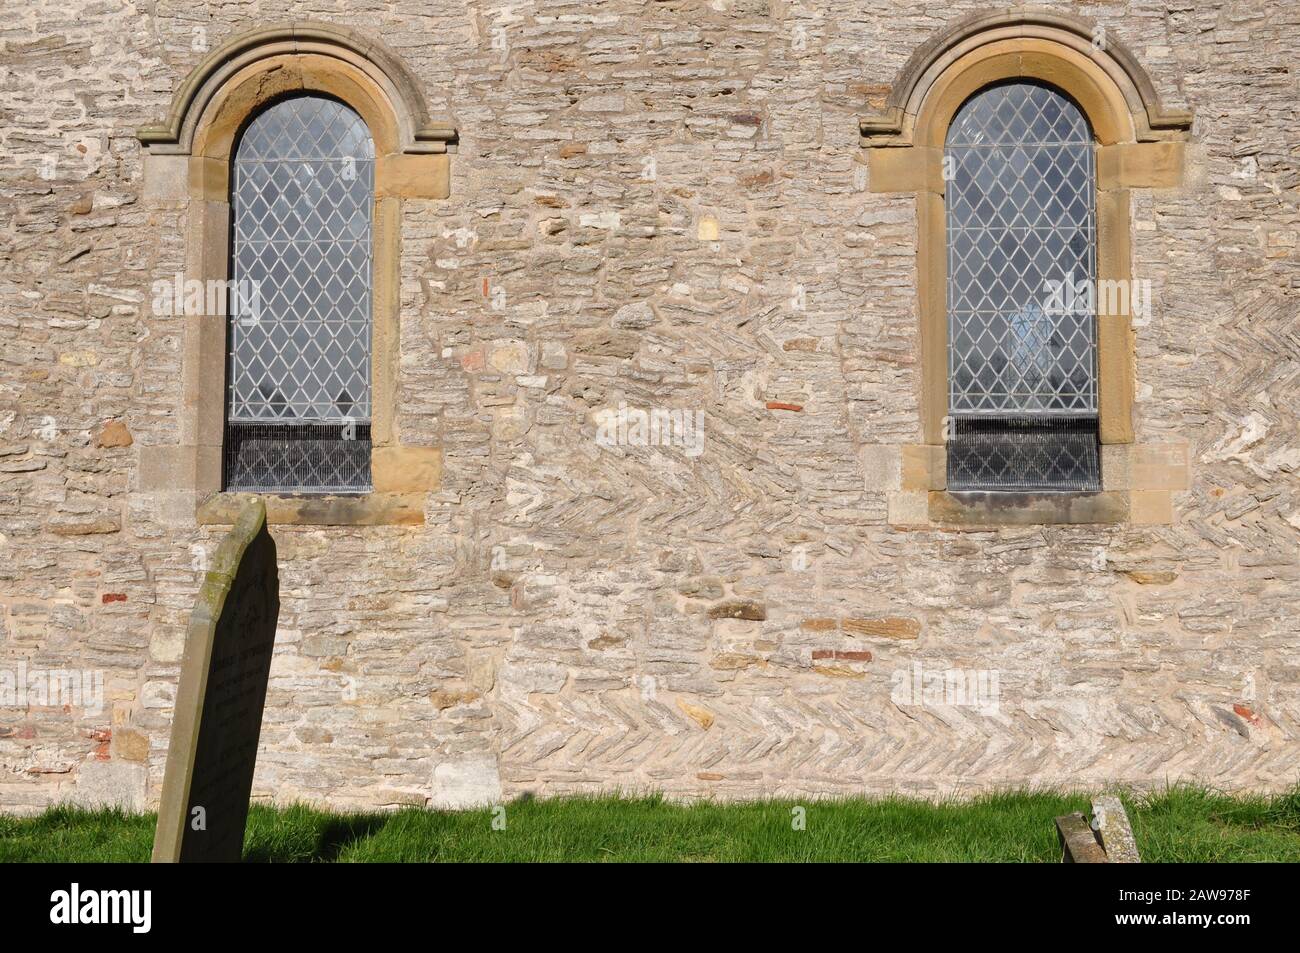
{"x":662,"y":206}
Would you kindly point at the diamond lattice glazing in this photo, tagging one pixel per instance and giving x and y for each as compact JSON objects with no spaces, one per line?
{"x":303,"y":181}
{"x":301,"y":205}
{"x":1021,"y":234}
{"x":1020,"y":224}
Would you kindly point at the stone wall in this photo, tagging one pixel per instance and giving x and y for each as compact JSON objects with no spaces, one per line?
{"x":663,"y":205}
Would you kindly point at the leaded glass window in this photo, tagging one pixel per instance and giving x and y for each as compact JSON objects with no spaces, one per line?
{"x":1021,"y":233}
{"x":298,"y":367}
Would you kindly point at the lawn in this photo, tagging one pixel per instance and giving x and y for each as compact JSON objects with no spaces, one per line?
{"x":1178,"y":825}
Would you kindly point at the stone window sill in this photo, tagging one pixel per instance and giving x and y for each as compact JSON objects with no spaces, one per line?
{"x":369,"y":509}
{"x":1003,"y":508}
{"x":403,"y":478}
{"x":941,"y":509}
{"x":1138,"y":485}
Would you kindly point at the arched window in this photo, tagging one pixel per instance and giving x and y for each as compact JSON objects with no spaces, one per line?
{"x":1022,"y":135}
{"x":1020,"y":225}
{"x":299,"y":352}
{"x":288,"y":155}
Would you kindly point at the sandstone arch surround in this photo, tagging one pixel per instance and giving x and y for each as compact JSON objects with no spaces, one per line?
{"x":187,"y":167}
{"x":1140,"y":144}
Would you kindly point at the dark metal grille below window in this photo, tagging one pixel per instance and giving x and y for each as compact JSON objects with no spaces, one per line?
{"x":298,"y":458}
{"x":1025,"y":452}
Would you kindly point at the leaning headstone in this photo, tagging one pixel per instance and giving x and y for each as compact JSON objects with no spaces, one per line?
{"x":219,"y":701}
{"x":1110,"y":821}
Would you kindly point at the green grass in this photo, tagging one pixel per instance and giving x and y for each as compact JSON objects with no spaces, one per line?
{"x":1181,"y":824}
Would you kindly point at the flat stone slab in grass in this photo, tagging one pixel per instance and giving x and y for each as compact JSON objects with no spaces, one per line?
{"x":1078,"y":845}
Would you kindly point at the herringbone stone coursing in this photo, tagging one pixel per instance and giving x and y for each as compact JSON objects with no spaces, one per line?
{"x":662,"y":208}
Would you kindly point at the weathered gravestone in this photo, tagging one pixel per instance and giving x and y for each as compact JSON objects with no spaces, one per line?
{"x":1114,"y":833}
{"x":218,"y":714}
{"x":1107,"y":840}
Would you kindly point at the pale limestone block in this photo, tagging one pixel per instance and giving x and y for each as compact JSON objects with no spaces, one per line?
{"x":467,"y":781}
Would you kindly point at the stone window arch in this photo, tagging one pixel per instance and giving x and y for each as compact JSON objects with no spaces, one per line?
{"x":1138,"y":143}
{"x":188,"y":166}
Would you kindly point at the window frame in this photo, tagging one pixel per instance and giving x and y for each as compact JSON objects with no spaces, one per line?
{"x":1139,"y":144}
{"x":188,"y":168}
